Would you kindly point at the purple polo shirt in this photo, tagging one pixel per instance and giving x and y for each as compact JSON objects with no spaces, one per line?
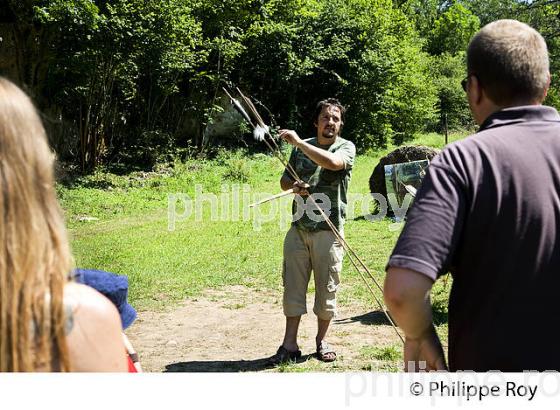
{"x":488,"y":211}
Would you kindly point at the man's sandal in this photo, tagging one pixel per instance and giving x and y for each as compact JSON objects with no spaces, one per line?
{"x":283,"y":355}
{"x":325,"y":353}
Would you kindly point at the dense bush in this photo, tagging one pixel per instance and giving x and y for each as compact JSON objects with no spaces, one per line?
{"x":364,"y":52}
{"x":448,"y":71}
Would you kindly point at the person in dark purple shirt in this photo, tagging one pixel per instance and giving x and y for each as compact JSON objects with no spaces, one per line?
{"x":488,"y":211}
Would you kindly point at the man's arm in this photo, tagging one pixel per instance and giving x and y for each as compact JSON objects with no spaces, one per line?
{"x":323,"y":158}
{"x":407,"y":295}
{"x":425,"y":250}
{"x":287,"y":182}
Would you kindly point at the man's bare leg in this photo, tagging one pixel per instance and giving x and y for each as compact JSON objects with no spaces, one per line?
{"x":290,"y":337}
{"x":322,"y":328}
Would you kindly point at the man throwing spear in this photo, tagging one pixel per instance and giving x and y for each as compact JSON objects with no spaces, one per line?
{"x":324,"y":164}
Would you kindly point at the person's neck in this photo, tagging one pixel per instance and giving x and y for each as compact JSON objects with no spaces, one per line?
{"x":326,"y":141}
{"x":491,"y":108}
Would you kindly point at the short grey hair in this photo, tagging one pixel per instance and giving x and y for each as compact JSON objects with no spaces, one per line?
{"x":510,"y":59}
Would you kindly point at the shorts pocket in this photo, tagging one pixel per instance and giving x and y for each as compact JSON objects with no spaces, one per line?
{"x":334,"y":279}
{"x":336,"y":254}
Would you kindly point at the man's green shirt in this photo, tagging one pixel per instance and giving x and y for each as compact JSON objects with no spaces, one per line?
{"x":334,"y":184}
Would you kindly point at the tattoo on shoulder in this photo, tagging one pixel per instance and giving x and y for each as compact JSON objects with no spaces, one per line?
{"x":68,"y":318}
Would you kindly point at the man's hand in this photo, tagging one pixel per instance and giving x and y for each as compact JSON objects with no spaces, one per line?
{"x":424,"y":353}
{"x":290,"y":137}
{"x":320,"y":156}
{"x":300,"y":188}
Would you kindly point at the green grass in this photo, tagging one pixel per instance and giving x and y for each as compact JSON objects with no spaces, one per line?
{"x":371,"y":358}
{"x":131,"y":236}
{"x":437,"y":140}
{"x":384,"y":358}
{"x":392,"y":353}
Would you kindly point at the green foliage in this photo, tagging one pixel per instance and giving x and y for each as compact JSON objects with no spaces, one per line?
{"x":393,"y":94}
{"x":447,"y":27}
{"x":364,"y":52}
{"x":448,"y":71}
{"x":133,"y":81}
{"x":237,"y":166}
{"x":453,"y":30}
{"x":491,"y":10}
{"x":543,"y":15}
{"x":116,"y":67}
{"x":553,"y":97}
{"x":423,"y":13}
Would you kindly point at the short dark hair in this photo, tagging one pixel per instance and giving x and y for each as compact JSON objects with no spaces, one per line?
{"x":510,"y":59}
{"x":326,"y":103}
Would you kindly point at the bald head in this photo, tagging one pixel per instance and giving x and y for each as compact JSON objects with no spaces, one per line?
{"x":510,"y":60}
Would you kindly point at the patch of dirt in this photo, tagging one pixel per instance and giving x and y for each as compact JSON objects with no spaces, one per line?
{"x":237,"y":329}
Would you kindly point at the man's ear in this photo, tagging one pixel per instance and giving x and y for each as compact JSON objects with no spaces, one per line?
{"x":476,"y":91}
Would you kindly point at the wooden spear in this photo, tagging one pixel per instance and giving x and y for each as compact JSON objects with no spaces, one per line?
{"x":280,"y":195}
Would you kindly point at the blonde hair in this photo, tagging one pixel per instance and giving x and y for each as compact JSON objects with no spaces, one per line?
{"x":34,"y":251}
{"x":510,"y":59}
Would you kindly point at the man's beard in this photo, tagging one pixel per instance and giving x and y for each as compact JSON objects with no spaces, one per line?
{"x":329,"y":135}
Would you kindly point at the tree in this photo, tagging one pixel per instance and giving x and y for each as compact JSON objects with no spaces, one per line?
{"x":453,"y":30}
{"x":539,"y":14}
{"x":491,"y":10}
{"x":544,"y":16}
{"x":129,"y":80}
{"x":116,"y":65}
{"x":423,"y":13}
{"x":364,"y":52}
{"x":448,"y":71}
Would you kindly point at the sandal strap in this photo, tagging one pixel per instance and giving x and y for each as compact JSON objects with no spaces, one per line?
{"x":325,"y":352}
{"x":325,"y":348}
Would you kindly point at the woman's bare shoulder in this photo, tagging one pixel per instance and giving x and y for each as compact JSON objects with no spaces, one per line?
{"x":86,"y":300}
{"x":95,"y":338}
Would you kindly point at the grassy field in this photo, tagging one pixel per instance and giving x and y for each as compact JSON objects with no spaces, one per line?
{"x":120,"y":224}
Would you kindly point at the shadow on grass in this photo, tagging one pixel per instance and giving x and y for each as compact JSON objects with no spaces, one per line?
{"x":371,"y":318}
{"x":365,"y":217}
{"x":225,"y":366}
{"x":377,"y":317}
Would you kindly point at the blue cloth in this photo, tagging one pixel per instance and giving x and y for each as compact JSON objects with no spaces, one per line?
{"x":114,"y":287}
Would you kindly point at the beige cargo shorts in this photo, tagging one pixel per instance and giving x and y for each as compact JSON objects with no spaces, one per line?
{"x":320,"y":252}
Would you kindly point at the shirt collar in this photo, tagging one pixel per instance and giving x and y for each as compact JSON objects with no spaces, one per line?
{"x":516,"y":115}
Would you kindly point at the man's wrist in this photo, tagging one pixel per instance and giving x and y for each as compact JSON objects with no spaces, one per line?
{"x":421,"y":334}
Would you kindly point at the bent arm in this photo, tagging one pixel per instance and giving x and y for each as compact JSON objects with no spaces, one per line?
{"x":322,"y":157}
{"x":407,"y":295}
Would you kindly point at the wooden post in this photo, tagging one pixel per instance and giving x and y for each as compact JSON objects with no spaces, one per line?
{"x":446,"y":128}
